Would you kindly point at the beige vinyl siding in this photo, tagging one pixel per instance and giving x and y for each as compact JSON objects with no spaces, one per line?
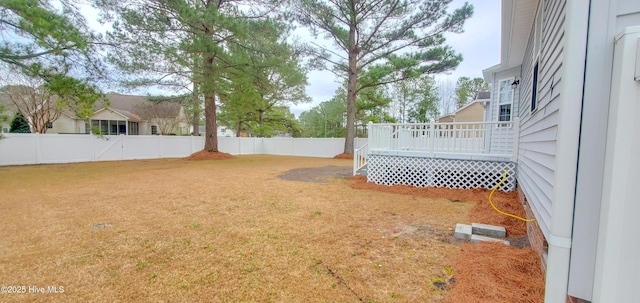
{"x":63,"y":125}
{"x":538,"y":129}
{"x":471,"y":113}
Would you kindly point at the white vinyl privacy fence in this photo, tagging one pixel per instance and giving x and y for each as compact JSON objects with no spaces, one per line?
{"x":20,"y":149}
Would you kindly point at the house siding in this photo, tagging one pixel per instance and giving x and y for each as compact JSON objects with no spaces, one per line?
{"x":538,"y":129}
{"x":491,"y":111}
{"x":471,"y":113}
{"x":609,"y":18}
{"x":64,"y":124}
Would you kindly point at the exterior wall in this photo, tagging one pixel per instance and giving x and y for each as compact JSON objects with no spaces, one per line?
{"x":446,"y":119}
{"x":534,"y":233}
{"x":611,"y":17}
{"x":538,"y":129}
{"x":472,"y":113}
{"x":491,"y":111}
{"x":64,"y":124}
{"x":225,"y":132}
{"x":5,"y":126}
{"x":107,"y":114}
{"x":617,"y":266}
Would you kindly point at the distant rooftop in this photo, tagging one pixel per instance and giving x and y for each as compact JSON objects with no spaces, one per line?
{"x":483,"y":95}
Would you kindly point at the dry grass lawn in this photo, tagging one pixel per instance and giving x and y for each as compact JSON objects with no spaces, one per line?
{"x":218,"y":231}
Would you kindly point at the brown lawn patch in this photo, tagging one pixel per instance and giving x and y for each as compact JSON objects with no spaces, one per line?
{"x":218,"y":231}
{"x":205,"y":155}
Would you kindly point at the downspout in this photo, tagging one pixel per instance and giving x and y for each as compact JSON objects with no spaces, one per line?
{"x":567,"y":149}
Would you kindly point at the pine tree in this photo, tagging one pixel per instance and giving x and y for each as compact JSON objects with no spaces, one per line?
{"x":19,"y":125}
{"x":377,"y":42}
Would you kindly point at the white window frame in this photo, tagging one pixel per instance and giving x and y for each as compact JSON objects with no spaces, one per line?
{"x":500,"y":101}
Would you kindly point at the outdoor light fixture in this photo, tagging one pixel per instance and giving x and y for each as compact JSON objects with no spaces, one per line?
{"x":515,"y":83}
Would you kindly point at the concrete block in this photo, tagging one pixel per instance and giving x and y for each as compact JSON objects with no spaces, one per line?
{"x":463,"y":231}
{"x":488,"y":230}
{"x":477,"y":239}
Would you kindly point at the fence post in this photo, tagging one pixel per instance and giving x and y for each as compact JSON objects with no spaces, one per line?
{"x":122,"y":143}
{"x":38,"y":148}
{"x":432,"y":138}
{"x":370,"y":134}
{"x":516,"y":139}
{"x":93,"y":146}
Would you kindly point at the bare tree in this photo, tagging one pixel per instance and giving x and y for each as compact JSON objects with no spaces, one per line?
{"x":164,"y":114}
{"x":447,"y":93}
{"x":37,"y":104}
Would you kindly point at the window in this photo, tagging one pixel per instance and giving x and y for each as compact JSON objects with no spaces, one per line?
{"x":505,"y":100}
{"x":104,"y":127}
{"x":5,"y":130}
{"x":534,"y":89}
{"x":50,"y":125}
{"x":133,"y":128}
{"x":108,"y":127}
{"x":154,"y":130}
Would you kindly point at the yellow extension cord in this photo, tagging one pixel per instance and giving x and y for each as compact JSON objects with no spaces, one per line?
{"x":504,"y":177}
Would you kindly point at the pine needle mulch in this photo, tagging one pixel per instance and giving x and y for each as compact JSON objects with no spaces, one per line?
{"x":496,"y":273}
{"x":205,"y":155}
{"x":344,"y":156}
{"x":486,"y":272}
{"x":482,"y":211}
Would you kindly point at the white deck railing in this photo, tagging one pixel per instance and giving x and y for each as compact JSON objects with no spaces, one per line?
{"x":456,"y":139}
{"x":360,"y":158}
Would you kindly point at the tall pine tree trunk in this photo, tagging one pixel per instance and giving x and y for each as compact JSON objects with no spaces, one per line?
{"x":211,"y":132}
{"x":351,"y":90}
{"x":196,"y":110}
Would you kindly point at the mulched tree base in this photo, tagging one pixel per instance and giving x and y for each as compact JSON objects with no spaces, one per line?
{"x":344,"y":156}
{"x":205,"y":155}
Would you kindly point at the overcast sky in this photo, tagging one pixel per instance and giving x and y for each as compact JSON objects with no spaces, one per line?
{"x":479,"y":45}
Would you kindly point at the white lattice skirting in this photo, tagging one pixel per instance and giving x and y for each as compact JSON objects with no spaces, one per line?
{"x":430,"y":172}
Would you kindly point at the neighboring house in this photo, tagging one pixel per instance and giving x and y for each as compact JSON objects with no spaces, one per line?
{"x":223,"y":131}
{"x":471,"y":112}
{"x":125,"y":114}
{"x":136,"y":115}
{"x":570,"y":70}
{"x":7,"y":115}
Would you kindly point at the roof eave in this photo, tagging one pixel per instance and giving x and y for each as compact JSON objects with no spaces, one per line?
{"x":517,"y":20}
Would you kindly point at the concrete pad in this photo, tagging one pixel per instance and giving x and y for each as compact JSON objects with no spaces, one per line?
{"x":463,"y":231}
{"x":488,"y":230}
{"x":477,"y":239}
